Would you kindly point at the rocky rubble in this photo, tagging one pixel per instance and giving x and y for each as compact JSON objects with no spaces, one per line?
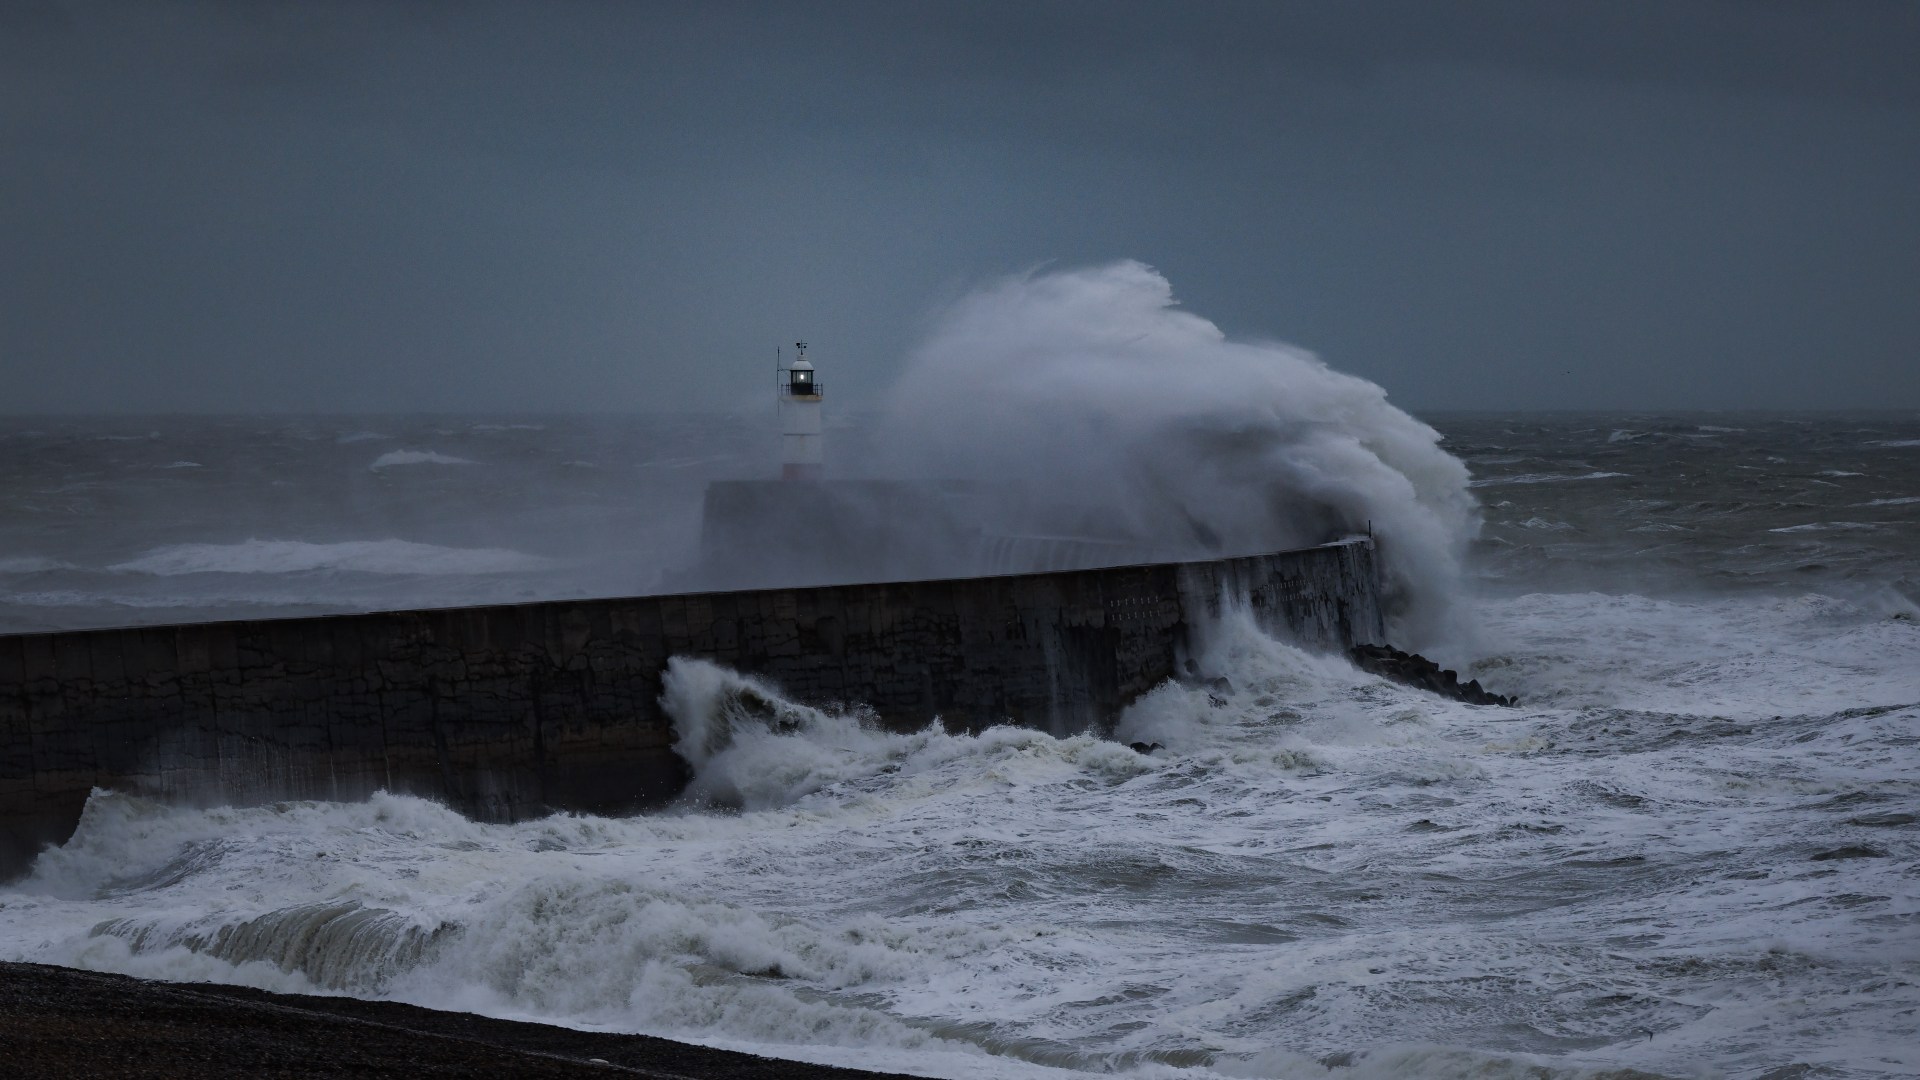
{"x":1412,"y":669}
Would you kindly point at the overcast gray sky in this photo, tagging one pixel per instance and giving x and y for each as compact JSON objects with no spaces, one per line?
{"x":569,"y":205}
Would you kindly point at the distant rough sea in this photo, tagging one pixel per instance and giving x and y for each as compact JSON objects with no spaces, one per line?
{"x":1694,"y":849}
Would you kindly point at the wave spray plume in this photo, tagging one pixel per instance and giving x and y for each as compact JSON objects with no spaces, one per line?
{"x":1089,"y":387}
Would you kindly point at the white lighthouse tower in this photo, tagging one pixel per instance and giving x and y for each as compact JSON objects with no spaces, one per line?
{"x":802,"y":455}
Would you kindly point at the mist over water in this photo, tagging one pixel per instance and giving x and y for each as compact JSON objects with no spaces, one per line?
{"x":1105,"y":407}
{"x":116,"y":521}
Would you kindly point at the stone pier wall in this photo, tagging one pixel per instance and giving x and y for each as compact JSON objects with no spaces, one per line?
{"x":511,"y":711}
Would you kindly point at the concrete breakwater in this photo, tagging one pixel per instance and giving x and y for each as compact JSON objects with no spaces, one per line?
{"x":510,"y":711}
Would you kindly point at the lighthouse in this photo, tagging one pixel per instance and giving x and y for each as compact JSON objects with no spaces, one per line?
{"x":802,"y":454}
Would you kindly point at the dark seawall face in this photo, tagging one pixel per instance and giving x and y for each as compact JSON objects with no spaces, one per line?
{"x":511,"y":711}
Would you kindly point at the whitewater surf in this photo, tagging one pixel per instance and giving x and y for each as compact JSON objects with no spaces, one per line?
{"x":1691,"y":850}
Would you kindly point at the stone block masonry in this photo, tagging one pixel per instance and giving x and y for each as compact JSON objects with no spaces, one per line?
{"x":507,"y":712}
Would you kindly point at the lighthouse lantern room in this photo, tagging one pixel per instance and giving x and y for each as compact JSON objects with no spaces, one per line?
{"x":802,"y":454}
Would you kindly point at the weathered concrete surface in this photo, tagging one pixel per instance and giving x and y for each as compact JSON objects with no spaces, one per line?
{"x":510,"y":711}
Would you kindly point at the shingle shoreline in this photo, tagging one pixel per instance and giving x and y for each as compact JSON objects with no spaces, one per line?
{"x":62,"y":1022}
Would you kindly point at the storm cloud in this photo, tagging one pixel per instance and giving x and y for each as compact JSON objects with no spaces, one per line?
{"x":473,"y":206}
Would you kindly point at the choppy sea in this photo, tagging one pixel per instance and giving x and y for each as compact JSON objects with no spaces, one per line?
{"x":1694,"y":849}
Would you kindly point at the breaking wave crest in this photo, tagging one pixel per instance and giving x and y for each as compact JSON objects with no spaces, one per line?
{"x":416,"y":457}
{"x":752,"y":748}
{"x":340,"y":945}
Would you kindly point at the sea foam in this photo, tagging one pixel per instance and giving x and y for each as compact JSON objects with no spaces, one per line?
{"x":1315,"y":857}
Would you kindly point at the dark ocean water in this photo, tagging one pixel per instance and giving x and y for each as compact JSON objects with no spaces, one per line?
{"x":1665,"y":502}
{"x":1692,"y":850}
{"x":166,"y":519}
